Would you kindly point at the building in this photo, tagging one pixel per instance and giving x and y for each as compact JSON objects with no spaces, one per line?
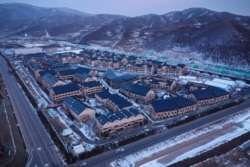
{"x":141,"y":93}
{"x":113,"y":102}
{"x":115,"y":79}
{"x":83,"y":77}
{"x":91,"y":87}
{"x":172,"y":107}
{"x":113,"y":123}
{"x":167,"y":84}
{"x":140,"y":68}
{"x":66,"y":74}
{"x":209,"y":96}
{"x":59,"y":93}
{"x":49,"y":81}
{"x":78,"y":110}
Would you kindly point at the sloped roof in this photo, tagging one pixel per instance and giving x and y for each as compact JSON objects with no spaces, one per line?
{"x":67,"y":72}
{"x":82,"y":75}
{"x":91,"y":84}
{"x":136,"y":89}
{"x":60,"y":65}
{"x":171,"y":104}
{"x":103,"y":94}
{"x":182,"y":102}
{"x":119,"y":101}
{"x":65,"y":88}
{"x":116,"y":99}
{"x":74,"y":105}
{"x":163,"y":105}
{"x":217,"y":92}
{"x":202,"y":94}
{"x":52,"y":72}
{"x":50,"y":79}
{"x":83,"y":70}
{"x":208,"y":93}
{"x":117,"y":116}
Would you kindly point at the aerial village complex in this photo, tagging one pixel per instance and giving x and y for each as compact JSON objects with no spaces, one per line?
{"x":111,"y":94}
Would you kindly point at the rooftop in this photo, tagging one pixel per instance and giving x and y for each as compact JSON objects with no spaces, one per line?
{"x":171,"y":104}
{"x":50,"y":79}
{"x":136,"y":88}
{"x":91,"y":84}
{"x":117,"y":116}
{"x":65,"y":88}
{"x":75,"y":105}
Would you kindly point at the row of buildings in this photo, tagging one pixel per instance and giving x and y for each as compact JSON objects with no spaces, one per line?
{"x":66,"y":84}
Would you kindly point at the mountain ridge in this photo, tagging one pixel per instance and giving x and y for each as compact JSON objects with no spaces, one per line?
{"x":221,"y":37}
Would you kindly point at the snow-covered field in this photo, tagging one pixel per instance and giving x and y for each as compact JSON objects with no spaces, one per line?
{"x":215,"y":134}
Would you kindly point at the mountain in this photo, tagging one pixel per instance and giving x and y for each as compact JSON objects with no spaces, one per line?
{"x":20,"y":19}
{"x":220,"y":37}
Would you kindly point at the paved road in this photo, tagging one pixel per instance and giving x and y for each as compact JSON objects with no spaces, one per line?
{"x":107,"y":157}
{"x":41,"y":147}
{"x":39,"y":144}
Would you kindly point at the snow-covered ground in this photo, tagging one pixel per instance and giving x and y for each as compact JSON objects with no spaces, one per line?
{"x":231,"y":127}
{"x":87,"y":131}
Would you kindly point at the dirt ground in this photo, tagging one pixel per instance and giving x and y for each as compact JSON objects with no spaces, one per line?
{"x":235,"y":157}
{"x":9,"y":157}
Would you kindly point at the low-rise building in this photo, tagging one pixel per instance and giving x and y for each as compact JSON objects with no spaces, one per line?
{"x":168,"y":84}
{"x":141,"y":93}
{"x":172,"y":107}
{"x":79,"y":110}
{"x":83,"y":77}
{"x":91,"y":87}
{"x":59,"y":93}
{"x":49,"y":81}
{"x":209,"y":96}
{"x":113,"y":102}
{"x":66,"y":74}
{"x":119,"y":121}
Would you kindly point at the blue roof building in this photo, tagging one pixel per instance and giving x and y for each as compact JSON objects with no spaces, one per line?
{"x":161,"y":109}
{"x":113,"y":102}
{"x":79,"y":110}
{"x":59,"y":93}
{"x":209,"y":96}
{"x":139,"y":92}
{"x":113,"y":123}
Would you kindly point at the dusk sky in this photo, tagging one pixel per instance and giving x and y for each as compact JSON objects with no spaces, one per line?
{"x":141,"y":7}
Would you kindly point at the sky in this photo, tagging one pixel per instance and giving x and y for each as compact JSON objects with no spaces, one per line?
{"x":142,"y":7}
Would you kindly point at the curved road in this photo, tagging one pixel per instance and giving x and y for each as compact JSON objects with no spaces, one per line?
{"x":38,"y":142}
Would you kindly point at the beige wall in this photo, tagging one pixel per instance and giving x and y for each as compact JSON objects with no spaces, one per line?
{"x":119,"y":125}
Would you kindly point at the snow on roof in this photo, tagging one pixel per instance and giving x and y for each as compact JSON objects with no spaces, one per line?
{"x":217,"y":84}
{"x":224,"y":81}
{"x":52,"y":113}
{"x":78,"y":149}
{"x":66,"y":132}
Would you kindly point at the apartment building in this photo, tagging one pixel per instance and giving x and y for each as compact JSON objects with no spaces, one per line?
{"x":113,"y":123}
{"x":141,"y":93}
{"x":59,"y":93}
{"x":209,"y":96}
{"x":172,"y":107}
{"x":113,"y":102}
{"x":91,"y":87}
{"x":78,"y":110}
{"x":49,"y":81}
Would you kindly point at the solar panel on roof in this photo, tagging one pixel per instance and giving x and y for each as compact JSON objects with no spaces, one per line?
{"x":65,"y":88}
{"x":75,"y":105}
